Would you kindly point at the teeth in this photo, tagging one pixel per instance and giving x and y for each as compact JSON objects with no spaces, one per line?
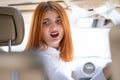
{"x":54,"y":33}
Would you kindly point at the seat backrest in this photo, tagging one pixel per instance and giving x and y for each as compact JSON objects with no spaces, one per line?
{"x":114,"y":37}
{"x":16,"y":65}
{"x":21,"y":66}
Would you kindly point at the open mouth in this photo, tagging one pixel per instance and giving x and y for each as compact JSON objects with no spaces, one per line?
{"x":54,"y":34}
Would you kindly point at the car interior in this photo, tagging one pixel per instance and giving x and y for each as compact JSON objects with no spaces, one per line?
{"x":97,"y":42}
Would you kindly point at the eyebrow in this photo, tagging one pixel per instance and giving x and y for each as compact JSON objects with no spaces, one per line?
{"x":46,"y":19}
{"x":49,"y":19}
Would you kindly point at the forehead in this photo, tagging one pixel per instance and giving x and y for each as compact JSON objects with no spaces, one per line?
{"x":51,"y":14}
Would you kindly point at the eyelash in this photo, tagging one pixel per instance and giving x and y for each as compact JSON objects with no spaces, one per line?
{"x":48,"y":22}
{"x":58,"y":21}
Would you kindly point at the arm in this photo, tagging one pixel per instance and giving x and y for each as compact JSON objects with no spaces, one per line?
{"x":107,"y":72}
{"x":53,"y":69}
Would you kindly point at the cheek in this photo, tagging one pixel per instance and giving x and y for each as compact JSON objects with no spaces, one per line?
{"x":44,"y":36}
{"x":45,"y":32}
{"x":61,"y":30}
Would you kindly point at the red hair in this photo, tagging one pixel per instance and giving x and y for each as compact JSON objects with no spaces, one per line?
{"x":35,"y":39}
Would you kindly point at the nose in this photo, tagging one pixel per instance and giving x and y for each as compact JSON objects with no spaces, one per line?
{"x":54,"y":26}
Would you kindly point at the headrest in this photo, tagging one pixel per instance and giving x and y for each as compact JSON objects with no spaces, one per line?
{"x":11,"y":26}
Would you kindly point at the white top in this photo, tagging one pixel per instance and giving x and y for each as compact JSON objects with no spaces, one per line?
{"x":59,"y":70}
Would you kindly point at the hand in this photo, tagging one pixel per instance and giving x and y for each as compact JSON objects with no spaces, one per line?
{"x":107,"y":72}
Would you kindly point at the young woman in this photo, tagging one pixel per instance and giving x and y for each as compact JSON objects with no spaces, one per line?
{"x":50,"y":33}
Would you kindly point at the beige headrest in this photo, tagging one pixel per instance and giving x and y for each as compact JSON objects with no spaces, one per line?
{"x":11,"y":26}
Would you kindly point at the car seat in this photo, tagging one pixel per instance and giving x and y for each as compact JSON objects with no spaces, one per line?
{"x":16,"y":65}
{"x":114,"y":37}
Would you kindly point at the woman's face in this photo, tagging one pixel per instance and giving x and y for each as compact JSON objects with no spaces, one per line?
{"x":52,"y":29}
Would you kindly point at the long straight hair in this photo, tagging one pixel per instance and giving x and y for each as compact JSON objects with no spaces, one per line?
{"x":35,"y":39}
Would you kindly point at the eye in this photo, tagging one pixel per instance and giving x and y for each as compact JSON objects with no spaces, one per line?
{"x":46,"y":22}
{"x":58,"y":21}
